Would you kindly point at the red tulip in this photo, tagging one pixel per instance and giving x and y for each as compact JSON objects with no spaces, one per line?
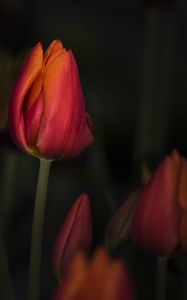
{"x":75,"y":234}
{"x":47,"y":115}
{"x":160,"y":218}
{"x":101,"y":279}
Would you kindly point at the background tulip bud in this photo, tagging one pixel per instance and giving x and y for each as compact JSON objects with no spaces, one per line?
{"x":75,"y":234}
{"x":160,"y":217}
{"x":47,"y":115}
{"x":101,"y":279}
{"x":119,"y":227}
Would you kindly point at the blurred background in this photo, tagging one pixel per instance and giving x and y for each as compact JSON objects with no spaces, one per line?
{"x":133,"y":68}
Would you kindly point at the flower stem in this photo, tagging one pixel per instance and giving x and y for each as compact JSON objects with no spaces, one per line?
{"x":161,"y":275}
{"x":37,"y":230}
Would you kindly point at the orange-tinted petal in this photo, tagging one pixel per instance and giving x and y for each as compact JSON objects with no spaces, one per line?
{"x":105,"y":280}
{"x":118,"y":285}
{"x":74,"y":279}
{"x":54,"y":49}
{"x":98,"y":279}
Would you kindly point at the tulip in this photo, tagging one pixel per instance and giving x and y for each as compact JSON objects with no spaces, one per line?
{"x":47,"y":115}
{"x":101,"y":279}
{"x":159,"y":222}
{"x":119,"y":227}
{"x":74,"y":234}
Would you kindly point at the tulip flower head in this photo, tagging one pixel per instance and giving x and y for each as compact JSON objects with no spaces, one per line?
{"x":47,"y":115}
{"x":75,"y":234}
{"x":101,"y":279}
{"x":119,"y":227}
{"x":159,"y":222}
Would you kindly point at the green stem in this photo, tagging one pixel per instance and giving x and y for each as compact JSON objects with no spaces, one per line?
{"x":161,"y":282}
{"x":37,"y":230}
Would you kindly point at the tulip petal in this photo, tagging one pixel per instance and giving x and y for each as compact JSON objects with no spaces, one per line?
{"x":30,"y":71}
{"x":64,"y":123}
{"x":98,"y":279}
{"x":74,"y":278}
{"x":106,"y":279}
{"x":118,"y":229}
{"x":182,"y":200}
{"x":55,"y":48}
{"x":118,"y":285}
{"x":33,"y":93}
{"x":155,"y":220}
{"x":32,"y":122}
{"x":75,"y":234}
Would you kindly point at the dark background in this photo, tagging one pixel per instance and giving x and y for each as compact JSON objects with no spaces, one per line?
{"x":132,"y":58}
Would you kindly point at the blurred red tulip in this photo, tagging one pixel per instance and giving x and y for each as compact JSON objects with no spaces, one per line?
{"x":47,"y":115}
{"x":119,"y":227}
{"x":160,"y":218}
{"x":101,"y":279}
{"x":75,"y":234}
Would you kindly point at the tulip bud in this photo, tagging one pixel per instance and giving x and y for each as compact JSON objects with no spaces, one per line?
{"x":159,"y":221}
{"x":119,"y":227}
{"x":75,"y":234}
{"x":47,"y":115}
{"x":101,"y":279}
